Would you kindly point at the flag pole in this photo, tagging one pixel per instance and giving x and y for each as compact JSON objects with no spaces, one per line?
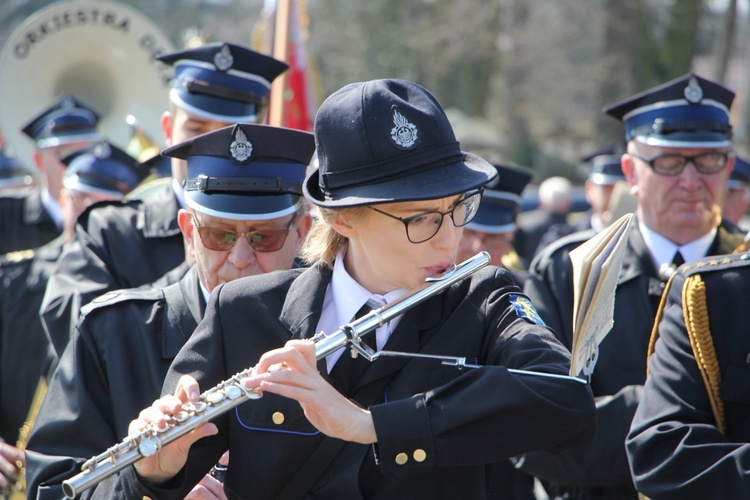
{"x":280,"y":52}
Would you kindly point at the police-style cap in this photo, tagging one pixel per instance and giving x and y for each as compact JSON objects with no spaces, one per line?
{"x":246,"y":172}
{"x":386,"y":141}
{"x":687,"y":112}
{"x":102,"y":168}
{"x":501,"y":201}
{"x":740,"y":176}
{"x":222,"y":81}
{"x":12,"y":172}
{"x":64,"y":122}
{"x":605,"y":170}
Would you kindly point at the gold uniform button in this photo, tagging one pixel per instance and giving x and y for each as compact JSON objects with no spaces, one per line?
{"x":402,"y":458}
{"x":420,"y":455}
{"x":278,"y":418}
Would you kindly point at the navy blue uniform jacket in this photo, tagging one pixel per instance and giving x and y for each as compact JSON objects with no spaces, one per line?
{"x":461,"y":420}
{"x":674,"y":446}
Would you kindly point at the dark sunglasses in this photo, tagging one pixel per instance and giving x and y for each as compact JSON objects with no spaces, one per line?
{"x":222,"y":240}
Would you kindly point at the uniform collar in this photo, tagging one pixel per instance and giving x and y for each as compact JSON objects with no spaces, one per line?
{"x":663,"y":250}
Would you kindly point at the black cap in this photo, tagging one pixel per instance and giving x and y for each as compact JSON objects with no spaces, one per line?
{"x":245,"y":171}
{"x":223,"y":81}
{"x":501,"y":201}
{"x":102,"y":168}
{"x":385,"y":141}
{"x":66,"y":121}
{"x":740,"y":176}
{"x":689,"y":111}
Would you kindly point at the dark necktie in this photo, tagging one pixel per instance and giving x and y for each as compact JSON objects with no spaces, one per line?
{"x":677,"y":260}
{"x":348,"y":370}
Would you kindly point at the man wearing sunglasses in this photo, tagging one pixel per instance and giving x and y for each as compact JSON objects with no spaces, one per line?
{"x":677,"y":162}
{"x":213,"y":86}
{"x":244,"y":216}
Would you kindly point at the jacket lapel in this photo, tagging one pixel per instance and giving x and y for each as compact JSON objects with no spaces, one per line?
{"x":414,"y":331}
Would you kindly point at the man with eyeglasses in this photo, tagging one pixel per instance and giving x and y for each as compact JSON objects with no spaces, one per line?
{"x":244,"y":216}
{"x":677,"y":162}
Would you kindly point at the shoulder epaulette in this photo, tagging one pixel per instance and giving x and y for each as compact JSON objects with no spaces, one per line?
{"x":119,"y":296}
{"x":715,"y":263}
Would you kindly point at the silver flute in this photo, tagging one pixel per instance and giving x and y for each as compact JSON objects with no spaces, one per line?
{"x":231,"y":392}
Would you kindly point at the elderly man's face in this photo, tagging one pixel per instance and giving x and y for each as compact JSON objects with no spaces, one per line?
{"x":683,"y":207}
{"x":217,"y":266}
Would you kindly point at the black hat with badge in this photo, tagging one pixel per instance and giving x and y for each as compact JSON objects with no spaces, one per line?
{"x":102,"y":168}
{"x":245,"y":171}
{"x":223,"y":81}
{"x":690,"y":112}
{"x":385,"y":141}
{"x":501,"y":201}
{"x":66,"y":121}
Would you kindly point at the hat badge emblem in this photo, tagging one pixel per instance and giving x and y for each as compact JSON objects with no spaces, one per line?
{"x":241,"y":149}
{"x":67,"y":103}
{"x":403,"y":133}
{"x":223,"y":59}
{"x":693,"y":92}
{"x":102,"y":150}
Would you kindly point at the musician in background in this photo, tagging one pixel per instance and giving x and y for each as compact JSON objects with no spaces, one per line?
{"x":116,"y":362}
{"x":101,"y":172}
{"x":678,"y":160}
{"x":493,"y":228}
{"x":605,"y":172}
{"x":738,"y":192}
{"x":213,"y":86}
{"x":394,"y":190}
{"x":31,"y":218}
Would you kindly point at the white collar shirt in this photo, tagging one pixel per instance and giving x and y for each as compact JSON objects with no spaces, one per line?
{"x":343,"y":299}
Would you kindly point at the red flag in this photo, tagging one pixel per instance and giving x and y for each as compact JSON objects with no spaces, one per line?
{"x":298,"y":95}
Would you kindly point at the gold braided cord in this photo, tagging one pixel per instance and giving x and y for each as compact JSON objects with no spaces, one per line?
{"x":695,"y":312}
{"x":655,"y":328}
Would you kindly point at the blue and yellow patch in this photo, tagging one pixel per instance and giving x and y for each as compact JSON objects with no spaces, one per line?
{"x":525,"y":309}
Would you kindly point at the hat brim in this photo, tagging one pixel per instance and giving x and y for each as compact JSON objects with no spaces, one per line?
{"x":438,"y":182}
{"x":242,"y":207}
{"x":686,"y":140}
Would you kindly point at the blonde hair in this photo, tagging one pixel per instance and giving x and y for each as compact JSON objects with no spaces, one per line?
{"x":323,"y":242}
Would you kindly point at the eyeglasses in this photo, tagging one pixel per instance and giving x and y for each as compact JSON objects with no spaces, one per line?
{"x":672,"y":164}
{"x":223,"y":240}
{"x":422,"y":227}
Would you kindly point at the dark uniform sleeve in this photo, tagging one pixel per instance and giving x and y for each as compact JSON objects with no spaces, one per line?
{"x":79,"y":277}
{"x":600,"y":461}
{"x":490,"y":413}
{"x":73,"y":424}
{"x":674,"y":447}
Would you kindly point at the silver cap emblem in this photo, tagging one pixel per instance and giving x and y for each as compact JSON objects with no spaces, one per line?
{"x":223,"y":59}
{"x":241,"y":149}
{"x":693,"y":92}
{"x":102,"y":150}
{"x":403,"y":133}
{"x":67,"y":103}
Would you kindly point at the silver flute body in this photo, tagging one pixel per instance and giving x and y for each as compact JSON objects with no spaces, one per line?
{"x":231,"y":392}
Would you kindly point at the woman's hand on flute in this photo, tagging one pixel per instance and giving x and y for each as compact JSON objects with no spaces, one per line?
{"x":168,"y":461}
{"x":291,"y":371}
